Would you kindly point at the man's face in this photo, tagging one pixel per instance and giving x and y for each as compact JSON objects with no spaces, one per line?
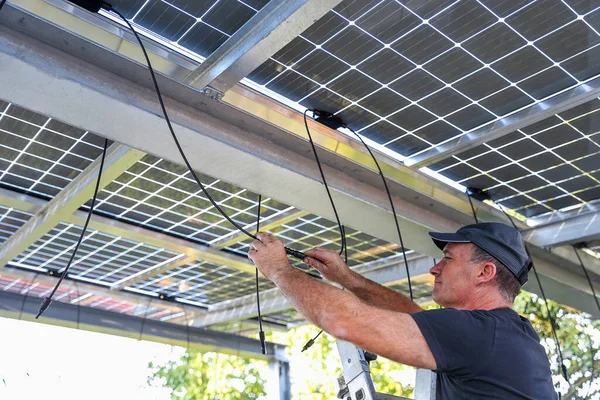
{"x":453,"y":276}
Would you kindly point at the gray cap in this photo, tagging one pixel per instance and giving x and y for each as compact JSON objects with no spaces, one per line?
{"x":503,"y":242}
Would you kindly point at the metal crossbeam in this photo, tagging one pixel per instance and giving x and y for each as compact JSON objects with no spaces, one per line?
{"x":582,"y":228}
{"x":274,"y":26}
{"x":272,"y":301}
{"x":152,"y":272}
{"x":119,"y":158}
{"x":14,"y":305}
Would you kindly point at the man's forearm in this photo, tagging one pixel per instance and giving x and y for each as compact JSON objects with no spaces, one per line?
{"x":379,"y":296}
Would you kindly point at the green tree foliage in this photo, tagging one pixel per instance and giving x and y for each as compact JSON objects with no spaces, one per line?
{"x":314,"y":372}
{"x":210,"y":376}
{"x":579,"y":337}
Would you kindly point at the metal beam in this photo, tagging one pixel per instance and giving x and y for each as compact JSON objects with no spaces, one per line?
{"x":119,"y":158}
{"x":545,"y":109}
{"x":13,"y":305}
{"x":582,"y":228}
{"x":152,"y":272}
{"x":256,"y":134}
{"x":95,"y":290}
{"x":272,"y":301}
{"x":279,"y":220}
{"x":274,"y":26}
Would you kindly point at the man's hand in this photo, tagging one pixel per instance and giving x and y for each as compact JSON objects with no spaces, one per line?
{"x":329,"y":264}
{"x":268,"y":255}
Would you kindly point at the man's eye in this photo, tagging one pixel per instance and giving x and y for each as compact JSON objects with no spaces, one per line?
{"x":447,"y":258}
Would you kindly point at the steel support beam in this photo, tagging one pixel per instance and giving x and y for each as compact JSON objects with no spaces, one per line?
{"x":272,"y":301}
{"x":545,"y":109}
{"x":152,"y":272}
{"x":13,"y":305}
{"x":274,"y":26}
{"x":268,"y":159}
{"x":119,"y":158}
{"x":95,"y":290}
{"x":582,"y":228}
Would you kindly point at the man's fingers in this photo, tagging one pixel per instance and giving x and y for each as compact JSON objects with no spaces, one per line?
{"x":265,"y":237}
{"x":316,"y":264}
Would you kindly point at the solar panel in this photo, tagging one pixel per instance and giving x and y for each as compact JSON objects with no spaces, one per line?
{"x":10,"y":221}
{"x":102,"y":258}
{"x":549,"y":166}
{"x":204,"y":283}
{"x":40,"y":155}
{"x":31,"y":288}
{"x":412,"y":76}
{"x":161,"y":195}
{"x":313,"y":231}
{"x":198,"y":26}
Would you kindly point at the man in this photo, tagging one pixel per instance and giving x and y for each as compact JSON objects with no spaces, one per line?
{"x":479,"y":347}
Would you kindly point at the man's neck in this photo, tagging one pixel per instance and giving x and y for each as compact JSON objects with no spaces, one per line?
{"x":486,"y":301}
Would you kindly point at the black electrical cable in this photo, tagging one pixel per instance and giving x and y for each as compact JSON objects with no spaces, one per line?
{"x":48,"y":300}
{"x":563,"y":368}
{"x":587,"y":276}
{"x":314,"y":149}
{"x":261,"y":333}
{"x":472,"y":208}
{"x":27,"y":295}
{"x":309,"y":344}
{"x":389,"y":195}
{"x":291,"y":252}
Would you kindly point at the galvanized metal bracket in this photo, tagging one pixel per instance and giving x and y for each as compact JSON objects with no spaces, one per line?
{"x":212,"y":93}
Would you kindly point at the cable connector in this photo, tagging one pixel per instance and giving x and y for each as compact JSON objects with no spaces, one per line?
{"x":45,"y":304}
{"x":92,"y":5}
{"x":311,"y":342}
{"x":478,"y":194}
{"x":308,"y":345}
{"x":295,"y":253}
{"x":328,"y":119}
{"x":263,"y":344}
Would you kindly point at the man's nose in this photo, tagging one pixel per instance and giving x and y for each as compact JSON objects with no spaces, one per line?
{"x":435,"y":270}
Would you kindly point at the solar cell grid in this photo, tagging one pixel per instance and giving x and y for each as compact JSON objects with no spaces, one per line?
{"x":451,"y":78}
{"x":101,"y":258}
{"x":204,"y":283}
{"x":40,"y":155}
{"x":10,"y":221}
{"x":163,"y":196}
{"x":196,"y":26}
{"x":313,"y":231}
{"x":548,"y":166}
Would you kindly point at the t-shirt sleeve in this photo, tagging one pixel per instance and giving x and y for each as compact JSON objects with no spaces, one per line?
{"x":459,"y":340}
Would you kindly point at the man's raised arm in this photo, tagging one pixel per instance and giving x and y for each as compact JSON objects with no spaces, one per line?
{"x":333,"y":268}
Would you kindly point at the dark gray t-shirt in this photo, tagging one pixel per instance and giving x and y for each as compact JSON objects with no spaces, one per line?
{"x":486,"y":355}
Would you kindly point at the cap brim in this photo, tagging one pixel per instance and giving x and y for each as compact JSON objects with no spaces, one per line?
{"x":442,"y":239}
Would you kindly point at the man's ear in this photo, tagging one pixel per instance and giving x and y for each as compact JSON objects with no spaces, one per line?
{"x":487,"y":272}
